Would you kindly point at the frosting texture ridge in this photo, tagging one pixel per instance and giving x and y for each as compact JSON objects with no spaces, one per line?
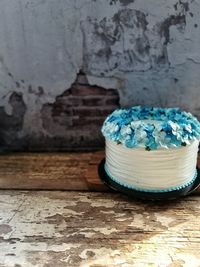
{"x":153,"y":170}
{"x":151,"y":128}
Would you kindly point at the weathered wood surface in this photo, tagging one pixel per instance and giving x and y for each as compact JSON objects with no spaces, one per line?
{"x":59,"y":229}
{"x":67,"y":171}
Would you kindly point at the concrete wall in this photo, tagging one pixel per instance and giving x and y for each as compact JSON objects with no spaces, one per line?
{"x":145,"y":52}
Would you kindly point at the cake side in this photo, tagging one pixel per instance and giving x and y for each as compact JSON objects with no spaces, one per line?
{"x":158,"y":169}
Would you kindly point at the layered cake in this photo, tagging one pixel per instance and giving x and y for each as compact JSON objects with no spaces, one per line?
{"x":151,"y":149}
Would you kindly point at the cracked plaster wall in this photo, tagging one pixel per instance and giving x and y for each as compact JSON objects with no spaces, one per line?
{"x":149,"y":51}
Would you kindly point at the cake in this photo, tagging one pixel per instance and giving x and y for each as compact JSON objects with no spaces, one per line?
{"x":151,"y":149}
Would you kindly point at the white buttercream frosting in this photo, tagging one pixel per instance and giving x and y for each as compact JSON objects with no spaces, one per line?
{"x":156,"y":169}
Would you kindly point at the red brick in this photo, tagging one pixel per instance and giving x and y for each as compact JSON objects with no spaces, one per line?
{"x":93,"y":100}
{"x":59,"y":111}
{"x":90,"y":90}
{"x":92,"y":111}
{"x":96,"y":120}
{"x":74,"y":101}
{"x":88,"y":121}
{"x":63,"y":120}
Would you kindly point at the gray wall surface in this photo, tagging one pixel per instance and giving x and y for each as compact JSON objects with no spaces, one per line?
{"x":148,"y":51}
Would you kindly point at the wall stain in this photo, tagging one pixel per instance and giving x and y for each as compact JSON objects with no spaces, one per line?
{"x":119,"y":43}
{"x":124,"y":41}
{"x":184,"y":5}
{"x":179,"y":20}
{"x":10,"y":125}
{"x":123,"y":2}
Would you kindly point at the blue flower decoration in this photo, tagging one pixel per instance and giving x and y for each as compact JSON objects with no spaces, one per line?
{"x":151,"y":128}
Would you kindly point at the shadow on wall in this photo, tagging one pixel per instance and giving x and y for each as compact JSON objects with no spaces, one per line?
{"x":72,"y":122}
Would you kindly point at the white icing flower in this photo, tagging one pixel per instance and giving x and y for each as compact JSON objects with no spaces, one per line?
{"x":111,"y":127}
{"x":125,"y":130}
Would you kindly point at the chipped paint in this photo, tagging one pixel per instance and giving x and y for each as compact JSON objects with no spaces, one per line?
{"x":38,"y":232}
{"x":104,"y":230}
{"x":164,"y":220}
{"x":5,"y":229}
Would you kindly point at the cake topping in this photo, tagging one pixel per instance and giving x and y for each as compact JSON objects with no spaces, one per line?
{"x":151,"y":128}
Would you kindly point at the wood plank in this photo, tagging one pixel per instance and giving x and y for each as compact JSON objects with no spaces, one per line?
{"x":64,"y":171}
{"x":57,"y":171}
{"x":73,"y":229}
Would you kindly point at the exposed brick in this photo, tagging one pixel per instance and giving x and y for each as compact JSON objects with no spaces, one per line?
{"x":87,"y":122}
{"x":91,"y":90}
{"x":70,"y":101}
{"x":74,"y":120}
{"x":85,"y":90}
{"x":92,"y":111}
{"x":112,"y":100}
{"x":63,"y":121}
{"x":95,"y":120}
{"x":93,"y":100}
{"x":57,"y":110}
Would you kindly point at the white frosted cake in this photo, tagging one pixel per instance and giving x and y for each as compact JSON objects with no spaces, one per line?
{"x":151,"y":149}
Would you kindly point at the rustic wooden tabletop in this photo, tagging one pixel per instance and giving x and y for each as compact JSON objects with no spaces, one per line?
{"x":59,"y":229}
{"x":65,"y":171}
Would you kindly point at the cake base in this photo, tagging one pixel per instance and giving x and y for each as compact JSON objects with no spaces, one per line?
{"x":147,"y":195}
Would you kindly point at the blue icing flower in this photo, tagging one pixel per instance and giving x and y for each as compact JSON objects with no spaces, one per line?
{"x":151,"y":128}
{"x":129,"y":142}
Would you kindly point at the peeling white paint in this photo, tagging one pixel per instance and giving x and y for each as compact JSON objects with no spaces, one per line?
{"x":62,"y":247}
{"x":105,"y":230}
{"x":101,"y":203}
{"x":153,"y":234}
{"x":164,"y":220}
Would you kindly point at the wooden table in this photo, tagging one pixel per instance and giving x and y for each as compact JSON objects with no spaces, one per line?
{"x":91,"y":229}
{"x":65,"y":171}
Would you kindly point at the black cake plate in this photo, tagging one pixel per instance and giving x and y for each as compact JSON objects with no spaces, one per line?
{"x":147,"y":195}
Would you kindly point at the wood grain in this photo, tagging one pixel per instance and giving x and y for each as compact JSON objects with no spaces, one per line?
{"x":57,"y":171}
{"x":67,"y":171}
{"x":91,"y":229}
